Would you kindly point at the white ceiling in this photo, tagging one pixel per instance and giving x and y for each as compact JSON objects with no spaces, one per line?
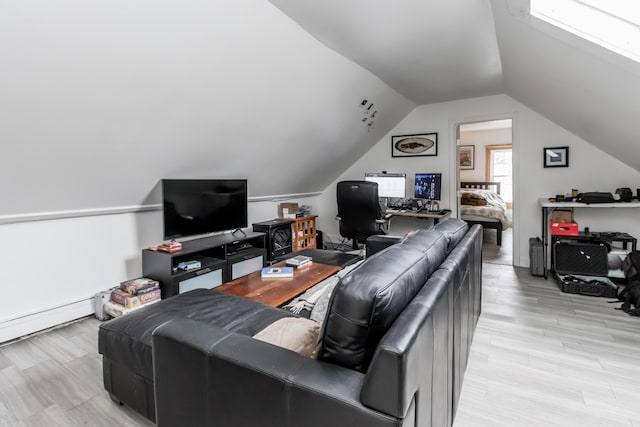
{"x":433,"y":51}
{"x":428,"y":50}
{"x":231,"y":88}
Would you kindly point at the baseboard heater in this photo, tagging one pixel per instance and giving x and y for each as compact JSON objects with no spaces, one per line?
{"x":27,"y":324}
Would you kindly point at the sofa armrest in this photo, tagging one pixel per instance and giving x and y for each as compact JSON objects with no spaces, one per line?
{"x":205,"y":375}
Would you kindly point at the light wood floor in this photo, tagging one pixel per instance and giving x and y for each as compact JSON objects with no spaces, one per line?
{"x":55,"y":379}
{"x":494,"y":254}
{"x":539,"y":358}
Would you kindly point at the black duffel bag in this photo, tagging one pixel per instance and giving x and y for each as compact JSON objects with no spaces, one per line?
{"x":595,"y":197}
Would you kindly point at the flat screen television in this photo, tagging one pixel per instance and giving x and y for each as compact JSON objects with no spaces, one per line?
{"x":389,"y":184}
{"x":428,"y":186}
{"x":200,"y":206}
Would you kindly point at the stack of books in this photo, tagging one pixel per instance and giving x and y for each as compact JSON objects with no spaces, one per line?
{"x":299,"y":261}
{"x":131,"y":295}
{"x":276,"y":272}
{"x":169,"y":247}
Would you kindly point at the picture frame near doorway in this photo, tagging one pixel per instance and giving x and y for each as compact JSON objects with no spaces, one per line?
{"x":466,"y":157}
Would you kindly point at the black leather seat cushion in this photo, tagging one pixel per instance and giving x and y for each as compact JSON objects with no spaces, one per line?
{"x":366,"y":301}
{"x":127,"y":339}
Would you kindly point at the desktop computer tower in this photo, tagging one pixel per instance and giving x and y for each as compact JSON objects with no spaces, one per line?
{"x":278,"y":240}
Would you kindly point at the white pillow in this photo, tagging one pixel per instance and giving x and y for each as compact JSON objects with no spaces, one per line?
{"x":293,"y":333}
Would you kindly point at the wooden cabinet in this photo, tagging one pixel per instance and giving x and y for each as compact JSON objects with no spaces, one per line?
{"x":303,"y":232}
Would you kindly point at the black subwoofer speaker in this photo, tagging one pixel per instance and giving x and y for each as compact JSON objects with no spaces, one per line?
{"x":278,"y":237}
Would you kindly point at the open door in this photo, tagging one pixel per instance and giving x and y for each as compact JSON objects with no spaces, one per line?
{"x":484,"y":183}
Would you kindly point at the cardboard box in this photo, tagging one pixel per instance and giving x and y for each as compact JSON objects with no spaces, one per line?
{"x":562,"y":215}
{"x":131,"y":301}
{"x":140,"y":285}
{"x":288,"y":210}
{"x":114,"y":309}
{"x":564,"y":228}
{"x":124,"y":299}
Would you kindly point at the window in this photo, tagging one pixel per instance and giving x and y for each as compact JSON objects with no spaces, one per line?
{"x":614,"y":24}
{"x":499,"y":170}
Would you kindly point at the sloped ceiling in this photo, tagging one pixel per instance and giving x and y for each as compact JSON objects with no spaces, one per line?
{"x":587,"y":89}
{"x":101,"y":100}
{"x":428,"y":50}
{"x":433,"y":51}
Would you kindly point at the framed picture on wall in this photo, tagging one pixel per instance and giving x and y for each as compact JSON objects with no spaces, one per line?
{"x":556,"y":157}
{"x":422,"y":144}
{"x":466,"y":156}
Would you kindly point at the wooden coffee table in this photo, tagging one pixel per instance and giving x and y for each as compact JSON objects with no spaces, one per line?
{"x":277,"y":291}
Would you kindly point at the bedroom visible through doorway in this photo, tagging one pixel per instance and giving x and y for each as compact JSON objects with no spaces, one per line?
{"x":485,"y":168}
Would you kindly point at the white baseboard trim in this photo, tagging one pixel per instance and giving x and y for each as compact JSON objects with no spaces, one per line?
{"x":24,"y":325}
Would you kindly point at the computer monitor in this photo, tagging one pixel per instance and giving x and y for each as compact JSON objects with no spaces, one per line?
{"x":428,"y":186}
{"x":389,"y":184}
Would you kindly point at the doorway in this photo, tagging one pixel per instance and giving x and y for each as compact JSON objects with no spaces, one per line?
{"x":485,"y":163}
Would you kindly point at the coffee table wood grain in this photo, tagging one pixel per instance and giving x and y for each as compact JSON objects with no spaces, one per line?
{"x":277,"y":291}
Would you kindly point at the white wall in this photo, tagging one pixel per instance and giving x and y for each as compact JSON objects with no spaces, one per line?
{"x":590,"y":168}
{"x":102,"y":99}
{"x":52,"y":268}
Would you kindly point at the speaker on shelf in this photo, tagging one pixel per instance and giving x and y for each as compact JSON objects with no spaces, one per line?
{"x":278,"y":237}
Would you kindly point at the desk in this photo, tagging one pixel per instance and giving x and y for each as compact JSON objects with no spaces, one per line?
{"x":436,"y":216}
{"x":548,"y":206}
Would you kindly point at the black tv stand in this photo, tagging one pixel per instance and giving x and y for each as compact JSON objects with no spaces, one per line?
{"x":219,"y":261}
{"x":240,"y":230}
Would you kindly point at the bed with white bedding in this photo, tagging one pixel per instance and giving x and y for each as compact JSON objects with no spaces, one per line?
{"x":481,"y":204}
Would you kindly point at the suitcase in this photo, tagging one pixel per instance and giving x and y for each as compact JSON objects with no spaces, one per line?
{"x":535,"y":256}
{"x":587,"y":285}
{"x":575,"y":257}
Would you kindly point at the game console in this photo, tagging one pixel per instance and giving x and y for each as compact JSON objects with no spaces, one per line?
{"x":189,"y":265}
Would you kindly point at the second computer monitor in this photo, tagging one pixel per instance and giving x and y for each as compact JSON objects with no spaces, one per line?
{"x":389,"y":184}
{"x":428,"y":185}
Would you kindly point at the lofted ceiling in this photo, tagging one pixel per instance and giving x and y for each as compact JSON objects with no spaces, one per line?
{"x":428,"y":50}
{"x":433,"y":51}
{"x":101,"y":100}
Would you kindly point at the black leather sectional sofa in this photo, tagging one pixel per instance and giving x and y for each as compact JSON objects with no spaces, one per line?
{"x":393,"y":350}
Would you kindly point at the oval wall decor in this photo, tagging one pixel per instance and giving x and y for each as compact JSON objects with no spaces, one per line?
{"x":414,"y":145}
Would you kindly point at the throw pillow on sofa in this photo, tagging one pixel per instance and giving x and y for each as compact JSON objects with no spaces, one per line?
{"x":294,"y":333}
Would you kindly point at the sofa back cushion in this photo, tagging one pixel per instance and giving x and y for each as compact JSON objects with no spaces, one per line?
{"x":366,"y":301}
{"x":454,"y":230}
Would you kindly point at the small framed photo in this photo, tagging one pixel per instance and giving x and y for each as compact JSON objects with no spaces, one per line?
{"x":466,"y":156}
{"x":556,"y":157}
{"x":422,"y":144}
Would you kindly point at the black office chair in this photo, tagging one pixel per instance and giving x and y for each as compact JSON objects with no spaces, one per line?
{"x":359,"y":210}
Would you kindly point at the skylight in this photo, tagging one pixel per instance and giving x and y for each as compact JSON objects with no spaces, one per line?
{"x":614,"y":24}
